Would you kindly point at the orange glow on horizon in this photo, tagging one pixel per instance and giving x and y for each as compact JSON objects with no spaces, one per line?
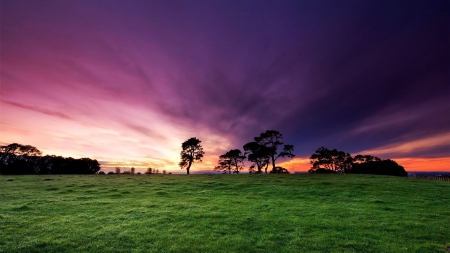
{"x":424,"y":164}
{"x":410,"y":164}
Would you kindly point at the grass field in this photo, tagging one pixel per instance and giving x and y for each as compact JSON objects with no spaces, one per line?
{"x":223,"y":213}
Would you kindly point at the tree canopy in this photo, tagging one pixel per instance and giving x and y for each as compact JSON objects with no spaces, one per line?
{"x":25,"y":159}
{"x":334,"y":161}
{"x":379,"y":167}
{"x":231,"y":162}
{"x":191,"y":151}
{"x":259,"y":155}
{"x":271,"y":139}
{"x":19,"y":149}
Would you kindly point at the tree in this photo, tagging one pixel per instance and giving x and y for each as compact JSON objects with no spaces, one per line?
{"x":231,"y":161}
{"x":271,"y":140}
{"x":365,"y":159}
{"x":379,"y":167}
{"x":19,"y":159}
{"x":18,"y":149}
{"x":321,"y":171}
{"x":191,"y":151}
{"x":259,"y":155}
{"x":132,"y":170}
{"x":334,"y":160}
{"x":149,"y":171}
{"x":117,"y":170}
{"x":280,"y":170}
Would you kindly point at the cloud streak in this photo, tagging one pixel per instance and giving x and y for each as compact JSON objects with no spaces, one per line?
{"x":353,"y":76}
{"x":39,"y":110}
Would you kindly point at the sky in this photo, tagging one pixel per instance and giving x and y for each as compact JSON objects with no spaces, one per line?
{"x":126,"y":82}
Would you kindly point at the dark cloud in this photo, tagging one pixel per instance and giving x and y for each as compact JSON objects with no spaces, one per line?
{"x":354,"y":75}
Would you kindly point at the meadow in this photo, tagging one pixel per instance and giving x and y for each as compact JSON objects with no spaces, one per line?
{"x":223,"y":213}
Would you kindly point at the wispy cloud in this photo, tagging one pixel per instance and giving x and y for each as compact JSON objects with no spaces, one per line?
{"x":39,"y":110}
{"x":351,"y":76}
{"x":411,"y":147}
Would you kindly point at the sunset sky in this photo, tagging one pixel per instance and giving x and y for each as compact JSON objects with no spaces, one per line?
{"x":126,"y":82}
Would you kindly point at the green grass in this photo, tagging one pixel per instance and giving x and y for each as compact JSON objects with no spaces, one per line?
{"x":223,"y":213}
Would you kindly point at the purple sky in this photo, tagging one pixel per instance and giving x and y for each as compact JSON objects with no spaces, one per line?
{"x":127,"y":81}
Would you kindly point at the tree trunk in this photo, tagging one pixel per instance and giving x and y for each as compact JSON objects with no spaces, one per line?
{"x":273,"y":164}
{"x":188,"y":167}
{"x":259,"y":169}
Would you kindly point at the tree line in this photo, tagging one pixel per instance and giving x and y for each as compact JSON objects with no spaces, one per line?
{"x":25,"y":159}
{"x":132,"y":171}
{"x":334,"y":161}
{"x":263,"y":151}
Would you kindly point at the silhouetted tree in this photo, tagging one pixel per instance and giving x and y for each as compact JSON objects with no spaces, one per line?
{"x":191,"y":151}
{"x":365,"y":159}
{"x":117,"y":170}
{"x":149,"y":171}
{"x":259,"y":155}
{"x":25,"y":159}
{"x":378,"y":167}
{"x":231,"y":161}
{"x":334,"y":160}
{"x":132,"y":170}
{"x":88,"y":166}
{"x":224,"y":166}
{"x":101,"y":173}
{"x":321,"y":171}
{"x":271,"y":140}
{"x":280,"y":170}
{"x":18,"y":159}
{"x":110,"y":173}
{"x":18,"y":149}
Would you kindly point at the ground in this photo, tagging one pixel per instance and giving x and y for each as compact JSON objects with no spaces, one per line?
{"x":223,"y":213}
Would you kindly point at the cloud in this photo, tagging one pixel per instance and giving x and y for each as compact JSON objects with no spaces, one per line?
{"x":349,"y":76}
{"x":39,"y":110}
{"x":411,"y":147}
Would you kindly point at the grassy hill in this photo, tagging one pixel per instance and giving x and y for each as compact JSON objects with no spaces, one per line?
{"x":223,"y":213}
